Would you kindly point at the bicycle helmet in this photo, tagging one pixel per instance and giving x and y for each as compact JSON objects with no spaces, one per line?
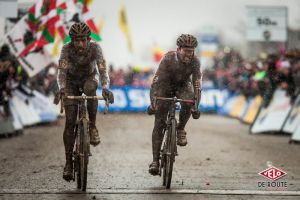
{"x":79,"y":30}
{"x":187,"y":40}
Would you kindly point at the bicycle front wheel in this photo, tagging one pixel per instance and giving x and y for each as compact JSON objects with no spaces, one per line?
{"x":84,"y":153}
{"x":163,"y":162}
{"x":77,"y":157}
{"x":170,"y":157}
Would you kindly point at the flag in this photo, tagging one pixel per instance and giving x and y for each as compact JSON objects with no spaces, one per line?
{"x":57,"y":46}
{"x":69,"y":13}
{"x":16,"y":39}
{"x":90,"y":22}
{"x":41,"y":21}
{"x":100,"y":25}
{"x":124,"y":27}
{"x":157,"y":53}
{"x":75,"y":11}
{"x":45,"y":35}
{"x":41,"y":8}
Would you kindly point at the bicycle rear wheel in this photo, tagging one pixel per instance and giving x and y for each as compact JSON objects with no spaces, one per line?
{"x":84,"y":153}
{"x":170,"y":157}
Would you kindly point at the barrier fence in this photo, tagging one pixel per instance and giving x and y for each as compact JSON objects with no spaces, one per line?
{"x":279,"y":116}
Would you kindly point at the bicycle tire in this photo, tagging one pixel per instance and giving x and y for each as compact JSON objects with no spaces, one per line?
{"x":163,"y":163}
{"x":170,"y":157}
{"x":78,"y":172}
{"x":77,"y":158}
{"x":84,"y":154}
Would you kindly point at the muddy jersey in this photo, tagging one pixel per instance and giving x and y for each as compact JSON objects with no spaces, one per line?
{"x":173,"y":73}
{"x":77,"y":67}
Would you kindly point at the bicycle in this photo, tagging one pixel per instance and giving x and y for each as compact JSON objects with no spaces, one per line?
{"x":81,"y":153}
{"x":169,"y":147}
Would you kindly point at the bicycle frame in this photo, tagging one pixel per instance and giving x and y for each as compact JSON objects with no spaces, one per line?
{"x":82,"y":139}
{"x":169,"y":147}
{"x":173,"y":100}
{"x":172,"y":108}
{"x":82,"y":111}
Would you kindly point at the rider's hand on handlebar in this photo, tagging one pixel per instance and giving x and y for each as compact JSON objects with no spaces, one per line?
{"x":59,"y":96}
{"x":150,"y":110}
{"x":108,"y":95}
{"x":62,"y":93}
{"x":195,"y":112}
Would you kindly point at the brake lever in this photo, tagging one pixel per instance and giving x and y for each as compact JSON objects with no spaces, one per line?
{"x":106,"y":107}
{"x":61,"y":105}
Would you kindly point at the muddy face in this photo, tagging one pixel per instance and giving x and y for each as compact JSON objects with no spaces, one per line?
{"x":81,"y":44}
{"x":186,"y":54}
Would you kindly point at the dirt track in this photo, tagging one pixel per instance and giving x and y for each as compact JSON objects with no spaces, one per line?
{"x":220,"y":156}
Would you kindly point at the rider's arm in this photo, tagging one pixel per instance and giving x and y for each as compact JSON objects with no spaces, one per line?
{"x":62,"y":69}
{"x":197,"y":76}
{"x":102,"y":67}
{"x":196,"y":79}
{"x":162,"y":70}
{"x":159,"y":76}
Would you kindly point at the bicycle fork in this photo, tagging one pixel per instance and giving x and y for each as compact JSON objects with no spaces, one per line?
{"x":164,"y":151}
{"x":168,"y":126}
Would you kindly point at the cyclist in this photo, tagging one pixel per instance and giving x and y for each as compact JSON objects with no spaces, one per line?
{"x":80,"y":63}
{"x":173,"y":78}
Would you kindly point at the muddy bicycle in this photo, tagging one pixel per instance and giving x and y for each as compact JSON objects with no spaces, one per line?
{"x":169,"y":147}
{"x":81,"y":153}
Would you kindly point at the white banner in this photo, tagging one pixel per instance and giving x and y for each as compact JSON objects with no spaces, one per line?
{"x":25,"y":111}
{"x":33,"y":62}
{"x":296,"y":135}
{"x":293,"y":119}
{"x":273,"y":117}
{"x":267,"y":23}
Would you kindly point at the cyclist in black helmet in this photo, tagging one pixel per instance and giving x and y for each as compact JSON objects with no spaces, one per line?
{"x":80,"y":64}
{"x":173,"y":78}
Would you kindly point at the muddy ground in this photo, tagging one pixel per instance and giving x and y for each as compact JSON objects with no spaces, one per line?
{"x":221,"y":161}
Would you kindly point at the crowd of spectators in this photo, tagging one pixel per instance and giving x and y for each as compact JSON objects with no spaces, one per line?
{"x":13,"y":76}
{"x":9,"y":75}
{"x":134,"y":76}
{"x":248,"y":77}
{"x":258,"y":77}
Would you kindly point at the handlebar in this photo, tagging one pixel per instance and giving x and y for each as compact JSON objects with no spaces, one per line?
{"x":85,"y":98}
{"x":174,"y":99}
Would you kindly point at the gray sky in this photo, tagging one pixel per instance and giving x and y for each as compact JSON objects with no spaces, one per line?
{"x":162,"y":21}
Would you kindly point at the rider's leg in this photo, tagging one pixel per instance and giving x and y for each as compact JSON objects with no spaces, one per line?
{"x":185,"y":92}
{"x":89,"y":88}
{"x":159,"y":126}
{"x":157,"y":135}
{"x":69,"y":139}
{"x":161,"y":112}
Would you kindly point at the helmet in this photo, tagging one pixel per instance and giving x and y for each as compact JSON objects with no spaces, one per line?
{"x":187,"y":40}
{"x":79,"y":30}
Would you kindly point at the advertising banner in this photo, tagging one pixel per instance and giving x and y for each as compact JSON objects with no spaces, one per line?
{"x":137,"y":99}
{"x":273,"y":117}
